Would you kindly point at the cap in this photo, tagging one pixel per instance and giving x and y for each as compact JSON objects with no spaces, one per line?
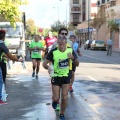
{"x":2,"y":31}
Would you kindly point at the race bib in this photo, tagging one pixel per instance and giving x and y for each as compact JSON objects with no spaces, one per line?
{"x":36,"y":50}
{"x":63,"y":63}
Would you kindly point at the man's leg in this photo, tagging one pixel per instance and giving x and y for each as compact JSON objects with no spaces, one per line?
{"x":73,"y":77}
{"x":72,"y":80}
{"x":64,"y":100}
{"x":55,"y":95}
{"x":1,"y":83}
{"x":34,"y":67}
{"x":37,"y":68}
{"x":110,"y":50}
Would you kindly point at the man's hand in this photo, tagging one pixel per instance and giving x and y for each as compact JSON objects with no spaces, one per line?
{"x":20,"y":60}
{"x":80,"y":54}
{"x":70,"y":56}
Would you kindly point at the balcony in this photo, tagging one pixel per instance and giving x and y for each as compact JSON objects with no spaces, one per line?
{"x":75,"y":10}
{"x":75,"y":23}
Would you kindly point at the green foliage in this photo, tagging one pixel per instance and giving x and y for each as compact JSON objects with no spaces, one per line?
{"x":71,"y":27}
{"x":113,"y":26}
{"x":9,"y":10}
{"x":30,"y":27}
{"x":56,"y":26}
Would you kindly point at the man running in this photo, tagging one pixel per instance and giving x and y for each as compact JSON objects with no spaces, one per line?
{"x":60,"y":58}
{"x":77,"y":51}
{"x":49,"y":41}
{"x":35,"y":47}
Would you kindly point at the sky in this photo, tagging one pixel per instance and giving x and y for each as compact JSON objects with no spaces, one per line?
{"x":46,"y":12}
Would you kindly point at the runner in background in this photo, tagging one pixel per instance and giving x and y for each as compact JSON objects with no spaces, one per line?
{"x":77,"y":51}
{"x":49,"y":41}
{"x":42,"y":40}
{"x":36,"y":47}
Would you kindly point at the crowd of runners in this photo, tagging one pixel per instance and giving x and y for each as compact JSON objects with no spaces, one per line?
{"x":59,"y":56}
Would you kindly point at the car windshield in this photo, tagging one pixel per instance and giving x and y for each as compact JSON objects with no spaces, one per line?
{"x":99,"y":41}
{"x":10,"y":31}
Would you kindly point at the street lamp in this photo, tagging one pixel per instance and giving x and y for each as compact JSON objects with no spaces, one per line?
{"x":88,"y":18}
{"x":66,"y":12}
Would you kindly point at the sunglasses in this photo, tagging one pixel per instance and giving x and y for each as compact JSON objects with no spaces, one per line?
{"x":64,"y":33}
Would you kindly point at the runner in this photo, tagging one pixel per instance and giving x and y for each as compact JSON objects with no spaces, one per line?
{"x":44,"y":45}
{"x":77,"y":51}
{"x":60,"y":58}
{"x":35,"y":48}
{"x":63,"y":32}
{"x":4,"y":49}
{"x":49,"y":42}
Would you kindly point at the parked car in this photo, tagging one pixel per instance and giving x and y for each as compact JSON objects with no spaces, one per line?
{"x":98,"y":44}
{"x":87,"y":44}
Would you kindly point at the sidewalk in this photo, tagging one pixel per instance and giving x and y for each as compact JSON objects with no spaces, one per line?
{"x":31,"y":99}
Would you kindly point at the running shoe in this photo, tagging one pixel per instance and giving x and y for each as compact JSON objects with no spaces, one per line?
{"x":58,"y":107}
{"x":36,"y":76}
{"x":62,"y":117}
{"x":33,"y":74}
{"x":2,"y":102}
{"x":54,"y":105}
{"x":71,"y":89}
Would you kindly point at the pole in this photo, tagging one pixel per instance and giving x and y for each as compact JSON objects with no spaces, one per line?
{"x":88,"y":19}
{"x":66,"y":13}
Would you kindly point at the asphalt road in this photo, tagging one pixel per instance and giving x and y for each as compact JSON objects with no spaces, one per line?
{"x":96,"y":93}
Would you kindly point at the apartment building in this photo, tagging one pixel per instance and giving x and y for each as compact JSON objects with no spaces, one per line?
{"x":88,"y":10}
{"x":112,"y":10}
{"x":75,"y":12}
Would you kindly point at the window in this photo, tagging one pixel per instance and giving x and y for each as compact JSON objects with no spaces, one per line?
{"x":75,"y":17}
{"x":75,"y":1}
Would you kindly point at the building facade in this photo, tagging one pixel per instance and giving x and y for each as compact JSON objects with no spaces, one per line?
{"x":88,"y":12}
{"x":112,"y":10}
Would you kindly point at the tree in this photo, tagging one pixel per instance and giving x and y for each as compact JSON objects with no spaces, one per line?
{"x":30,"y":27}
{"x":9,"y":10}
{"x":113,"y":26}
{"x":56,"y":26}
{"x":98,"y":21}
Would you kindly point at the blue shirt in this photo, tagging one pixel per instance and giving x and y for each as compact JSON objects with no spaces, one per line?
{"x":75,"y":46}
{"x":109,"y":42}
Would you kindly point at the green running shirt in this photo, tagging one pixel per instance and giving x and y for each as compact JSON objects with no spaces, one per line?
{"x":36,"y":53}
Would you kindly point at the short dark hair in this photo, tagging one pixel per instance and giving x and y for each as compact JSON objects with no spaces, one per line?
{"x":61,"y":29}
{"x":73,"y":36}
{"x":2,"y":34}
{"x":62,"y":38}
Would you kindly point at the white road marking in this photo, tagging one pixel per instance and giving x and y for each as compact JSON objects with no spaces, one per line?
{"x":92,"y":78}
{"x":101,"y":60}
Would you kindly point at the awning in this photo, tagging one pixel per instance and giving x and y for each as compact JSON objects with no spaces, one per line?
{"x":82,"y":25}
{"x":83,"y":28}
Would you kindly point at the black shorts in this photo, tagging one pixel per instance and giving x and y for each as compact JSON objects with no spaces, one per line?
{"x":60,"y":80}
{"x":38,"y":59}
{"x":73,"y":67}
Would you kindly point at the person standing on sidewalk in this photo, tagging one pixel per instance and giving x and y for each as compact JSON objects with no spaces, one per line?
{"x":4,"y":49}
{"x":109,"y":46}
{"x":59,"y":58}
{"x":35,"y":47}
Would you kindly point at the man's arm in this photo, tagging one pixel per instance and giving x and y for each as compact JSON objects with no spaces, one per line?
{"x":45,"y":64}
{"x":74,"y":59}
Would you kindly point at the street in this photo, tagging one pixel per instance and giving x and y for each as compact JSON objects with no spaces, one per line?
{"x":96,"y":93}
